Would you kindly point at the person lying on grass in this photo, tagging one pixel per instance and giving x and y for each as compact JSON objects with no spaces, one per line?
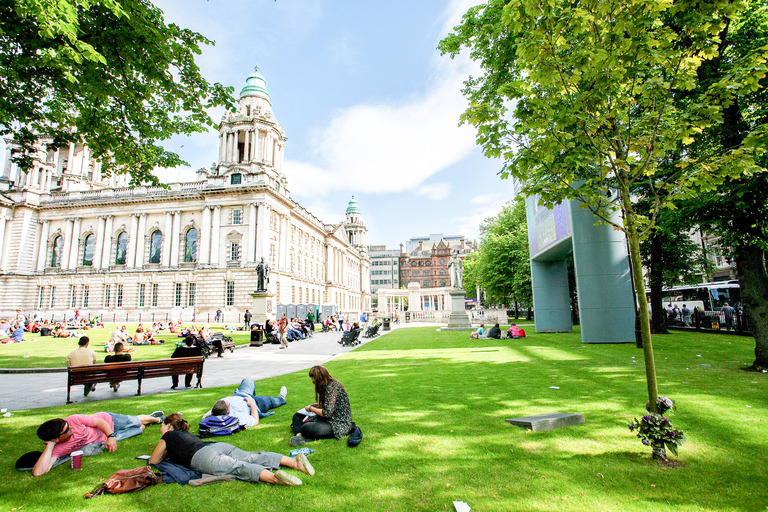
{"x":181,"y":447}
{"x":64,"y":436}
{"x":246,"y":406}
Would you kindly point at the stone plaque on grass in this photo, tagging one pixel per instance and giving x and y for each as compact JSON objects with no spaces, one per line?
{"x":548,"y":421}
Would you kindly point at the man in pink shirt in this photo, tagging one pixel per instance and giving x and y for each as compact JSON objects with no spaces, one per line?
{"x":64,"y":436}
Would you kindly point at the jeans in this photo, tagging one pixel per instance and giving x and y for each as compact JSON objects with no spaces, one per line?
{"x":125,"y":426}
{"x":224,"y":459}
{"x":265,"y":403}
{"x":317,"y":429}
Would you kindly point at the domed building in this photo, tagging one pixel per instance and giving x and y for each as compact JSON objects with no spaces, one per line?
{"x":73,"y":239}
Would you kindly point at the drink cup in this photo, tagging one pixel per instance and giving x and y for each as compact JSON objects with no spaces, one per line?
{"x":77,"y":459}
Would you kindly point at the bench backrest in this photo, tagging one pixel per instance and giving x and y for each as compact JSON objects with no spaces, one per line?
{"x":133,"y":370}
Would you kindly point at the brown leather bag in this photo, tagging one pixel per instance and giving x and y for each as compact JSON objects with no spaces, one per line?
{"x":127,"y":480}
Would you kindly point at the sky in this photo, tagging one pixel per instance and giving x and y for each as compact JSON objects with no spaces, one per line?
{"x":370,"y":108}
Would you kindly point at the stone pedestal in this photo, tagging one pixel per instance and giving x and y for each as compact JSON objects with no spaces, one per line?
{"x":263,"y":307}
{"x":458,"y":319}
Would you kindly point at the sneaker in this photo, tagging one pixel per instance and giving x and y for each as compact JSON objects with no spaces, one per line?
{"x":158,"y":414}
{"x":284,"y":478}
{"x":283,"y":392}
{"x":303,"y":465}
{"x":298,"y":440}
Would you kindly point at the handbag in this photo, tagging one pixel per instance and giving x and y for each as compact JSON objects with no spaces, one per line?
{"x":126,"y":480}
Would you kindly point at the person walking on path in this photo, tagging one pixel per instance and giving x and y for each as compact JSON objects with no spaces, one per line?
{"x":248,"y":317}
{"x":729,"y":311}
{"x":283,"y":328}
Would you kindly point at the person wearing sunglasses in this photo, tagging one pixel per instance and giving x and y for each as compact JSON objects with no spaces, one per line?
{"x":64,"y":436}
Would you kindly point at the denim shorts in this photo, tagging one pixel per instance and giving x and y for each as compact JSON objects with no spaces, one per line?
{"x":126,"y":426}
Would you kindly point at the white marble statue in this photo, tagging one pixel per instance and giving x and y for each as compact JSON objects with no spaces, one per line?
{"x":456,"y":268}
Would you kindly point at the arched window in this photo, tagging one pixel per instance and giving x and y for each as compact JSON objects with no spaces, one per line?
{"x":442,"y":271}
{"x":88,"y":247}
{"x":58,"y":245}
{"x":155,"y":243}
{"x":122,"y":248}
{"x":190,"y":246}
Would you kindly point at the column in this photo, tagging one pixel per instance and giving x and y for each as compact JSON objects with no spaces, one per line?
{"x":70,"y":157}
{"x":247,"y":149}
{"x":205,"y":237}
{"x":250,"y":242}
{"x":140,"y":236}
{"x":48,"y":176}
{"x":254,"y":144}
{"x":216,"y":230}
{"x":3,"y":250}
{"x":229,"y":147}
{"x":67,"y":244}
{"x":3,"y":221}
{"x":42,"y":250}
{"x":7,"y":166}
{"x":262,"y":235}
{"x":168,"y":233}
{"x":222,"y":146}
{"x":133,"y":234}
{"x":175,"y":238}
{"x":74,"y":244}
{"x":99,"y":243}
{"x":106,"y":251}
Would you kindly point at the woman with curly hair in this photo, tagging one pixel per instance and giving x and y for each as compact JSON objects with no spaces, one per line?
{"x":330,"y":417}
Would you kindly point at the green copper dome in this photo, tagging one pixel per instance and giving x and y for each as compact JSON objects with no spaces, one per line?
{"x":352,"y":206}
{"x":255,"y":85}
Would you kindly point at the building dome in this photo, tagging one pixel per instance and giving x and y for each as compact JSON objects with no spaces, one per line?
{"x":255,"y":85}
{"x":352,"y":206}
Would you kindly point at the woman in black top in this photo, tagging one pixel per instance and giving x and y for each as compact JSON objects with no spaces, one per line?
{"x":189,"y":349}
{"x":186,"y":449}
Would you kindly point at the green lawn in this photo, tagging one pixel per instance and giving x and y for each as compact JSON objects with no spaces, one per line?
{"x":49,"y":352}
{"x":432,"y":407}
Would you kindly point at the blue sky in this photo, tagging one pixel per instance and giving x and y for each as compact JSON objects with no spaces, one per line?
{"x":369,"y":107}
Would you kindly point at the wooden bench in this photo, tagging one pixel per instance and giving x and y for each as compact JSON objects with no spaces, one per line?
{"x":133,"y":370}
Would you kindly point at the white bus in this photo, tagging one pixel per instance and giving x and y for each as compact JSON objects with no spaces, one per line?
{"x":710,"y":296}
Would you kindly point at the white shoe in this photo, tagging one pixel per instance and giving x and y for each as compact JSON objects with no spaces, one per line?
{"x":283,"y":392}
{"x":284,"y":478}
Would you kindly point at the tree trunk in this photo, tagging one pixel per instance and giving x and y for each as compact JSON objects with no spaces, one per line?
{"x":659,"y":452}
{"x":656,"y":282}
{"x":750,"y":262}
{"x":645,"y":325}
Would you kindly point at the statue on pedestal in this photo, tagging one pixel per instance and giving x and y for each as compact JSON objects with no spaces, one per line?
{"x":456,"y":268}
{"x":263,"y":271}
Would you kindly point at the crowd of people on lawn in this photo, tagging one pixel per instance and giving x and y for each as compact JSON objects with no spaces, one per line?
{"x":494,"y":332}
{"x":186,"y":458}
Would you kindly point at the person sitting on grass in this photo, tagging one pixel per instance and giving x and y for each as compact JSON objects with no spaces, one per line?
{"x":513,"y":331}
{"x":246,"y":406}
{"x":494,"y":332}
{"x":181,"y":447}
{"x":64,"y":436}
{"x":117,"y":357}
{"x":479,"y":333}
{"x":330,"y":417}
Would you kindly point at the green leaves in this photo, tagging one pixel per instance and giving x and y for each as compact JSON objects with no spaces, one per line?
{"x":111,"y":74}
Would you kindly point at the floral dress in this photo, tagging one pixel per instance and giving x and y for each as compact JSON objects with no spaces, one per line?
{"x":336,"y":409}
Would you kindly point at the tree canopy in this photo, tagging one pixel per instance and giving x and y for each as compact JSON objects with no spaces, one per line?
{"x":578,"y":99}
{"x":110,"y":73}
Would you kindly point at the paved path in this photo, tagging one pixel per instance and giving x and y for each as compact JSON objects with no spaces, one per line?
{"x":34,"y":390}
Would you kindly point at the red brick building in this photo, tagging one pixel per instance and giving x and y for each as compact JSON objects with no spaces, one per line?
{"x":428,"y":263}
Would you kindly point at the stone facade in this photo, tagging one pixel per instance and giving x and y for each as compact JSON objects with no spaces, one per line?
{"x":73,"y":239}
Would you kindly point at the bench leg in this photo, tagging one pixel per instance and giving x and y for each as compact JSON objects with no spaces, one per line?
{"x":69,"y":388}
{"x":138,"y":392}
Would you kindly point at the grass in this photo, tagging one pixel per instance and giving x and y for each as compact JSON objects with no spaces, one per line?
{"x":47,"y":352}
{"x":432,"y":407}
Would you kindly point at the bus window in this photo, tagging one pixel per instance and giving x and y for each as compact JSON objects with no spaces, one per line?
{"x":722,"y":295}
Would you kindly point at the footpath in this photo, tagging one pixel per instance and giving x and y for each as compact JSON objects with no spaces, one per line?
{"x":20,"y":391}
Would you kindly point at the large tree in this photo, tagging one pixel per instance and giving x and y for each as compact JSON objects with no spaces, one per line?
{"x":577,"y":98}
{"x":110,"y":73}
{"x":502,"y":267}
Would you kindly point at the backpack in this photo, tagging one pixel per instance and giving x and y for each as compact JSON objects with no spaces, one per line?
{"x":126,"y":480}
{"x":219,"y":426}
{"x":355,"y":436}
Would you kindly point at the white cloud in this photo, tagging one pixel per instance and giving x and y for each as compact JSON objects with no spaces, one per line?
{"x":394,"y":146}
{"x":479,"y":208}
{"x":435,"y":191}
